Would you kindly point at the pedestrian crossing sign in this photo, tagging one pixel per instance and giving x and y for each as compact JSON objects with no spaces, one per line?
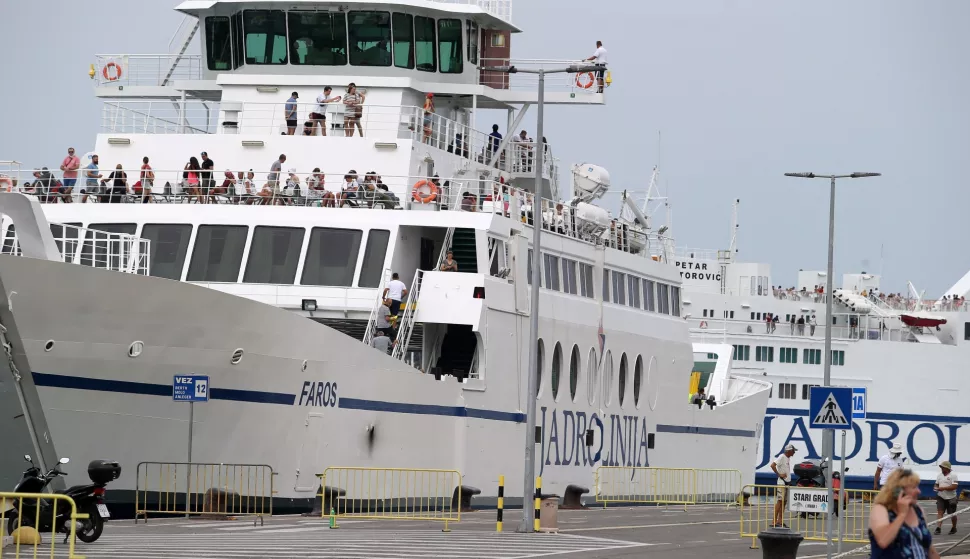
{"x":830,"y":408}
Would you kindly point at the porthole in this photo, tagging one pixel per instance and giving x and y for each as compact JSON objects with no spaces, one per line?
{"x":637,"y":380}
{"x":49,"y":345}
{"x":135,"y":349}
{"x":540,"y":357}
{"x":573,"y":372}
{"x":556,"y":370}
{"x":608,"y":379}
{"x":653,"y":390}
{"x":592,"y":377}
{"x":303,"y":367}
{"x":236,"y":356}
{"x":622,"y":382}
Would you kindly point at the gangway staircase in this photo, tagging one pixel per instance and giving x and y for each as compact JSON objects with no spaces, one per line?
{"x":406,"y":324}
{"x":372,"y":321}
{"x":185,"y":46}
{"x":464,"y":249}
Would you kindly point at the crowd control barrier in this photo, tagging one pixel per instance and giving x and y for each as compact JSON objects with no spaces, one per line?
{"x":189,"y":488}
{"x":36,"y":509}
{"x":632,"y":485}
{"x":394,"y":494}
{"x":715,"y":486}
{"x":758,"y":508}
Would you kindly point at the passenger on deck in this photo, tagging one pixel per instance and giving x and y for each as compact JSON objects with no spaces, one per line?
{"x":791,"y":324}
{"x":374,"y":194}
{"x":494,"y":140}
{"x":774,"y":323}
{"x":308,"y":128}
{"x":767,"y":323}
{"x":801,"y":326}
{"x":91,"y":176}
{"x":244,"y":190}
{"x":383,"y":322}
{"x":428,"y":117}
{"x":349,"y":189}
{"x":227,"y":186}
{"x":118,"y":188}
{"x":147,"y":179}
{"x":396,"y":291}
{"x":355,"y":110}
{"x":289,"y":113}
{"x":207,"y":178}
{"x":316,"y":193}
{"x":811,"y":325}
{"x":449,"y":265}
{"x":599,"y":59}
{"x":70,"y":166}
{"x":292,"y":184}
{"x":468,"y":202}
{"x":191,"y":179}
{"x":320,"y":115}
{"x":381,"y":342}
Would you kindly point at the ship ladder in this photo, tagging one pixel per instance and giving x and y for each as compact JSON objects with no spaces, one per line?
{"x":372,"y":321}
{"x":406,"y":325}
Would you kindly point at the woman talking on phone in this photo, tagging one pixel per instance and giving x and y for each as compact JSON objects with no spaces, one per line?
{"x":897,"y":529}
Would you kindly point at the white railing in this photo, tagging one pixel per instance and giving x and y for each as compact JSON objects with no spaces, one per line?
{"x":554,"y":83}
{"x":158,"y":117}
{"x":871,"y":329}
{"x":145,"y":69}
{"x":117,"y":252}
{"x":372,"y":319}
{"x":501,"y":9}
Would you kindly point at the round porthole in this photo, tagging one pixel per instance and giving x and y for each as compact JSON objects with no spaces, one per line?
{"x":135,"y":349}
{"x":49,"y":345}
{"x":303,"y":367}
{"x":236,"y":356}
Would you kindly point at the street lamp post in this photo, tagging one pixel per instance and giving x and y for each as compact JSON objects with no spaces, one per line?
{"x":828,"y":437}
{"x":528,"y":481}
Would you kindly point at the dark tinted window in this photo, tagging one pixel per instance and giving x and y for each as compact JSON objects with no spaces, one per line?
{"x":331,"y":257}
{"x":370,"y":38}
{"x":274,"y":255}
{"x":370,"y":269}
{"x":218,"y":43}
{"x":449,"y":46}
{"x":238,"y":57}
{"x":318,"y":38}
{"x":170,"y":244}
{"x":265,"y":36}
{"x":218,"y":253}
{"x":107,"y":249}
{"x":424,"y":43}
{"x":65,"y":238}
{"x":472,"y":29}
{"x":403,"y":40}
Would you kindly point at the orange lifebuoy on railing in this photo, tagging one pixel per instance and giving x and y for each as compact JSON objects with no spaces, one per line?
{"x":115,"y":73}
{"x":585,"y":84}
{"x":703,"y":324}
{"x":6,"y":184}
{"x":424,"y":198}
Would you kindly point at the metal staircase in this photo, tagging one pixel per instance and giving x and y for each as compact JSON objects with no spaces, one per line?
{"x":184,"y":47}
{"x":369,"y":331}
{"x":445,"y":246}
{"x":406,"y":324}
{"x":464,"y":249}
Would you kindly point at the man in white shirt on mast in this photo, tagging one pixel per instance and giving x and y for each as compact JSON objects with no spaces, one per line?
{"x":599,"y":59}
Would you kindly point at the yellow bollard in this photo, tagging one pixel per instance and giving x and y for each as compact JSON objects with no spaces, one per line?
{"x":501,"y":503}
{"x":538,"y":503}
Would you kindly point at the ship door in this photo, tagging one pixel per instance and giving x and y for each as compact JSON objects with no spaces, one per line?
{"x":428,"y":256}
{"x":310,"y":462}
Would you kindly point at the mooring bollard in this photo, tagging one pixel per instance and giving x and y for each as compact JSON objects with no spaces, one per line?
{"x":779,"y":543}
{"x":501,"y":503}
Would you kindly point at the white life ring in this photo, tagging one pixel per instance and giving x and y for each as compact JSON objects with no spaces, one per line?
{"x":703,"y":324}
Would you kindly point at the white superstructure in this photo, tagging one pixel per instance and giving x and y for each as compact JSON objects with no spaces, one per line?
{"x":261,"y":292}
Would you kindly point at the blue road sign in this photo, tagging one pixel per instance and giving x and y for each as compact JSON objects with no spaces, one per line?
{"x":830,"y":408}
{"x":859,"y":401}
{"x":190,"y":388}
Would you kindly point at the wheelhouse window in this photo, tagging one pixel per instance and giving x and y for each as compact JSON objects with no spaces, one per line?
{"x":449,"y":46}
{"x":274,"y":255}
{"x":169,"y":245}
{"x":238,"y":54}
{"x":675,"y":301}
{"x":403,"y":25}
{"x":318,"y":38}
{"x":471,"y":30}
{"x":370,"y":38}
{"x":373,"y":265}
{"x":424,"y":44}
{"x":265,"y":36}
{"x":331,"y":257}
{"x":218,"y":253}
{"x":218,"y":43}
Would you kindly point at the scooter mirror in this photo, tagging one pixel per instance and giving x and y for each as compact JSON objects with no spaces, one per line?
{"x":27,"y":457}
{"x":63,"y":460}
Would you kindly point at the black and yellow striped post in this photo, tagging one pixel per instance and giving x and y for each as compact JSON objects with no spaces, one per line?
{"x":501,"y":503}
{"x":538,"y":503}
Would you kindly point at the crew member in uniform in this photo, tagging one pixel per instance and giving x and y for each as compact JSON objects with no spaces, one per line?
{"x":887,"y":464}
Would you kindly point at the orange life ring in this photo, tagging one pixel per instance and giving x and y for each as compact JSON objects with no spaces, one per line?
{"x":6,"y":184}
{"x":424,"y":198}
{"x":703,"y":324}
{"x":585,"y":84}
{"x":113,"y":76}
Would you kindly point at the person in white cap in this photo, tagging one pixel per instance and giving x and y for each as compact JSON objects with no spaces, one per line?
{"x":946,"y":494}
{"x":887,"y":464}
{"x":782,"y":467}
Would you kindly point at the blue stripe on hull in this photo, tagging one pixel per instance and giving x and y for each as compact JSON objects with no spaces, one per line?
{"x":716,"y":431}
{"x":427,"y":409}
{"x":148,"y":389}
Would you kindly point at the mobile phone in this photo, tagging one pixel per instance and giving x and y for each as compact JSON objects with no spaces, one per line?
{"x":897,"y":493}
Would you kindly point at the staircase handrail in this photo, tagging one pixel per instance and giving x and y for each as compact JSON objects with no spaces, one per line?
{"x":406,"y":325}
{"x":369,"y":332}
{"x":445,"y":247}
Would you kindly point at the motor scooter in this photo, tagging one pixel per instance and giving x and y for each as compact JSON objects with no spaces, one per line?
{"x":55,"y":516}
{"x":811,"y":473}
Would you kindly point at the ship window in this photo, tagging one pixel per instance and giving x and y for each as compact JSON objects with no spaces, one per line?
{"x":370,"y":38}
{"x":788,"y":355}
{"x":787,"y":391}
{"x":592,"y":377}
{"x":373,"y":265}
{"x":619,"y":289}
{"x":218,"y":253}
{"x":648,"y":296}
{"x":102,"y":245}
{"x":318,"y":38}
{"x":424,"y":44}
{"x":332,"y":257}
{"x":807,"y":391}
{"x":606,"y":285}
{"x":169,"y":245}
{"x":449,"y":46}
{"x":675,"y":301}
{"x":608,"y":379}
{"x":471,"y":29}
{"x":265,"y":36}
{"x":621,"y":384}
{"x":742,"y":353}
{"x":586,"y":280}
{"x":637,"y":380}
{"x":528,"y":268}
{"x":634,"y":291}
{"x":574,"y":372}
{"x":663,"y":301}
{"x":403,"y":40}
{"x":556,"y":370}
{"x":218,"y":43}
{"x":569,"y":276}
{"x":64,"y":237}
{"x":540,"y":357}
{"x":552,"y":272}
{"x":274,"y":254}
{"x":838,"y":357}
{"x":238,"y":58}
{"x":966,"y":331}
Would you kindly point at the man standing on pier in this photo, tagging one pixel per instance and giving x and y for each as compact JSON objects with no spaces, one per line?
{"x":782,"y":468}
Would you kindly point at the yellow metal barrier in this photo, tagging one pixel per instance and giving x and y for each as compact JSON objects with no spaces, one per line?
{"x":395,"y":494}
{"x":758,"y":514}
{"x":204,"y":489}
{"x":714,"y":486}
{"x":667,"y":486}
{"x":31,"y":510}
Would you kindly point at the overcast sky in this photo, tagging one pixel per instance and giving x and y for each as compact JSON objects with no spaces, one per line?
{"x":742,"y":91}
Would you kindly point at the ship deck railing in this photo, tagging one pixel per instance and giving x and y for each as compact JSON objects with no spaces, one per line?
{"x":583,"y":83}
{"x":117,"y":252}
{"x":146,"y":69}
{"x":453,"y":194}
{"x":872,"y":329}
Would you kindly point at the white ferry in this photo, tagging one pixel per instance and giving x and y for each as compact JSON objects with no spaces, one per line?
{"x":271,"y":296}
{"x":907,"y":353}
